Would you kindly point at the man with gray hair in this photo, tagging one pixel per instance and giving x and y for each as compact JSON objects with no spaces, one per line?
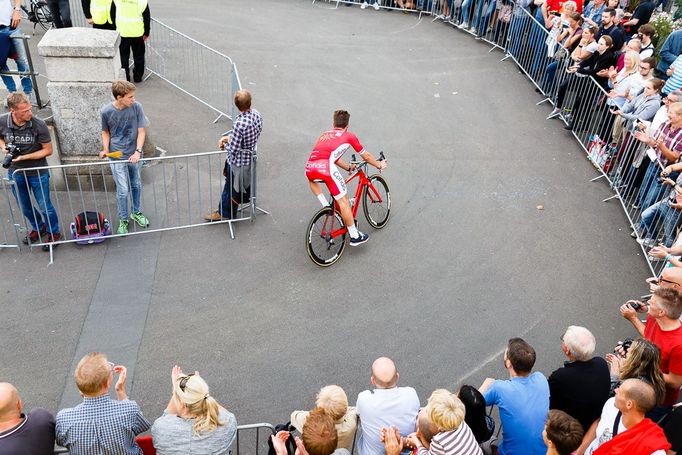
{"x":581,"y":387}
{"x":664,"y":329}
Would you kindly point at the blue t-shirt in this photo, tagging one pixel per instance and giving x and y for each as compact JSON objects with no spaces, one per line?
{"x":122,"y":125}
{"x":523,"y":405}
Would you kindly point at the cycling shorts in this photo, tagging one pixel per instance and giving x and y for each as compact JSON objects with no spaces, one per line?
{"x":327,"y":172}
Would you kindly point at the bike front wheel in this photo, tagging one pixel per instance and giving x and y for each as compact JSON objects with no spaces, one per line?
{"x":376,"y":201}
{"x":43,"y":15}
{"x":325,"y":237}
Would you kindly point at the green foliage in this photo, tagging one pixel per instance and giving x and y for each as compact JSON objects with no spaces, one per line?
{"x":664,"y":24}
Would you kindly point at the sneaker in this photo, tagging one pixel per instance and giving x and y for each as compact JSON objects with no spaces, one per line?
{"x":364,"y":5}
{"x":51,"y":238}
{"x":359,"y":240}
{"x":464,"y":25}
{"x":376,"y":6}
{"x":474,"y":30}
{"x":140,"y":219}
{"x":647,"y":243}
{"x":34,"y":236}
{"x":633,"y":234}
{"x":555,"y":113}
{"x":122,"y":227}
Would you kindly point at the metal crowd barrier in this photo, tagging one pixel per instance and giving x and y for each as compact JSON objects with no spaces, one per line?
{"x":260,"y":443}
{"x":9,"y":235}
{"x":208,"y":76}
{"x":195,"y":69}
{"x":30,"y":71}
{"x":177,"y":191}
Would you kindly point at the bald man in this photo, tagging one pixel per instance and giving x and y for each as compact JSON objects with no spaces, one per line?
{"x":671,"y":277}
{"x":385,"y":405}
{"x":25,"y":434}
{"x":623,"y":427}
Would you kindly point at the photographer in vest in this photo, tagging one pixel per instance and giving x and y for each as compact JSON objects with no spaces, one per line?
{"x":101,"y":14}
{"x":132,"y":21}
{"x":26,"y":143}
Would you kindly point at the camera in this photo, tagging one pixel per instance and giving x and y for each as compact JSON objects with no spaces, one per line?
{"x":11,"y":153}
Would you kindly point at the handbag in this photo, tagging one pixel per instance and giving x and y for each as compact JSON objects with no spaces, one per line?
{"x":561,"y":53}
{"x":506,"y":13}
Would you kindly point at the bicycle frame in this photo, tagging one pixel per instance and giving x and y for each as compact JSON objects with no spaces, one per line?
{"x":362,"y":183}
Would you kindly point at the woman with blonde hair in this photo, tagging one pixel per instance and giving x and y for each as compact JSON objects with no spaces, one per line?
{"x":626,"y":82}
{"x":642,"y":361}
{"x":193,"y":422}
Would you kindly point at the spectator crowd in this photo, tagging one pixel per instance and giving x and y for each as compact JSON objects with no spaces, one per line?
{"x":627,"y":402}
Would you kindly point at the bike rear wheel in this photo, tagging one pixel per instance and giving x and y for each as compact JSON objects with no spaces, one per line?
{"x":43,"y":15}
{"x":376,"y":201}
{"x":323,"y":248}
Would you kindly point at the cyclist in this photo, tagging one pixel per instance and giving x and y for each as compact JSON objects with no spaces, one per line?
{"x":321,"y":167}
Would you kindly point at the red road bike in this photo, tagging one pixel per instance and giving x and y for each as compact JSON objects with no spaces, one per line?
{"x":326,"y":234}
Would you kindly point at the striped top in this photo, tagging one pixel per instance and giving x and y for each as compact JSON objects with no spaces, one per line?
{"x":674,"y":82}
{"x":456,"y":442}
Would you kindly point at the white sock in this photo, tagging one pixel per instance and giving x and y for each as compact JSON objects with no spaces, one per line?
{"x":353,"y":231}
{"x":323,"y":200}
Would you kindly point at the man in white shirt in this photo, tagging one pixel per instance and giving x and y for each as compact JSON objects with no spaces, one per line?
{"x":385,"y":405}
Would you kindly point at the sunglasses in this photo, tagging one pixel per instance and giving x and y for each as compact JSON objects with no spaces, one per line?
{"x":182,"y":383}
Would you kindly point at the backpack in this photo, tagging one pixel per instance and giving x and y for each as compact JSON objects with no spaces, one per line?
{"x":90,"y":227}
{"x":291,"y":442}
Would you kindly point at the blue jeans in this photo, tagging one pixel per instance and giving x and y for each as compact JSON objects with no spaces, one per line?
{"x":651,"y":190}
{"x":467,"y":9}
{"x":548,"y":79}
{"x":482,"y":21}
{"x":537,"y":41}
{"x":45,"y":216}
{"x":128,"y":181}
{"x":231,"y":198}
{"x":22,"y":65}
{"x":517,"y":29}
{"x":660,"y":212}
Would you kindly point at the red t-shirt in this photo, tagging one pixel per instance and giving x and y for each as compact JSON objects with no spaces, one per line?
{"x":670,"y":344}
{"x":331,"y":145}
{"x":555,"y":5}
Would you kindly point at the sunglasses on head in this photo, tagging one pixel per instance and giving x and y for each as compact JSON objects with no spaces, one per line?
{"x":182,"y":383}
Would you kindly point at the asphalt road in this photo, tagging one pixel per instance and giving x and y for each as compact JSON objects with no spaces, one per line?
{"x":466,"y":262}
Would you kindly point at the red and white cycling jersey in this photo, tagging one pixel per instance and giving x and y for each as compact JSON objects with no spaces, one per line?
{"x":330,"y":147}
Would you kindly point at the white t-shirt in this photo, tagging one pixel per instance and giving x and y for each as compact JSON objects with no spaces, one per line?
{"x":6,"y":8}
{"x":605,"y":427}
{"x":591,"y":47}
{"x":383,"y":408}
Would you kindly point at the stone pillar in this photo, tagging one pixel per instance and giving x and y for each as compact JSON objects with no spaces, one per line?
{"x":80,"y":63}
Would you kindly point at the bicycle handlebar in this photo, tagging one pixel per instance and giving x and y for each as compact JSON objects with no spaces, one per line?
{"x":361,"y":163}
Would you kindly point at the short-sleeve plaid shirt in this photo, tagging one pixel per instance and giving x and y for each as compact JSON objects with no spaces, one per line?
{"x":101,"y":426}
{"x":246,"y":130}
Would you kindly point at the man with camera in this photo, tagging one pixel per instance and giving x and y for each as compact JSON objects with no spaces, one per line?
{"x":664,"y":329}
{"x":27,"y":144}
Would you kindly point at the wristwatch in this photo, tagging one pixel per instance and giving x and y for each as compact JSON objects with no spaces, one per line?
{"x":138,"y":151}
{"x":17,"y":8}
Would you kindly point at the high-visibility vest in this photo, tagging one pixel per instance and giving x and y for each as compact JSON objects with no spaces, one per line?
{"x":100,"y":10}
{"x":129,"y":17}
